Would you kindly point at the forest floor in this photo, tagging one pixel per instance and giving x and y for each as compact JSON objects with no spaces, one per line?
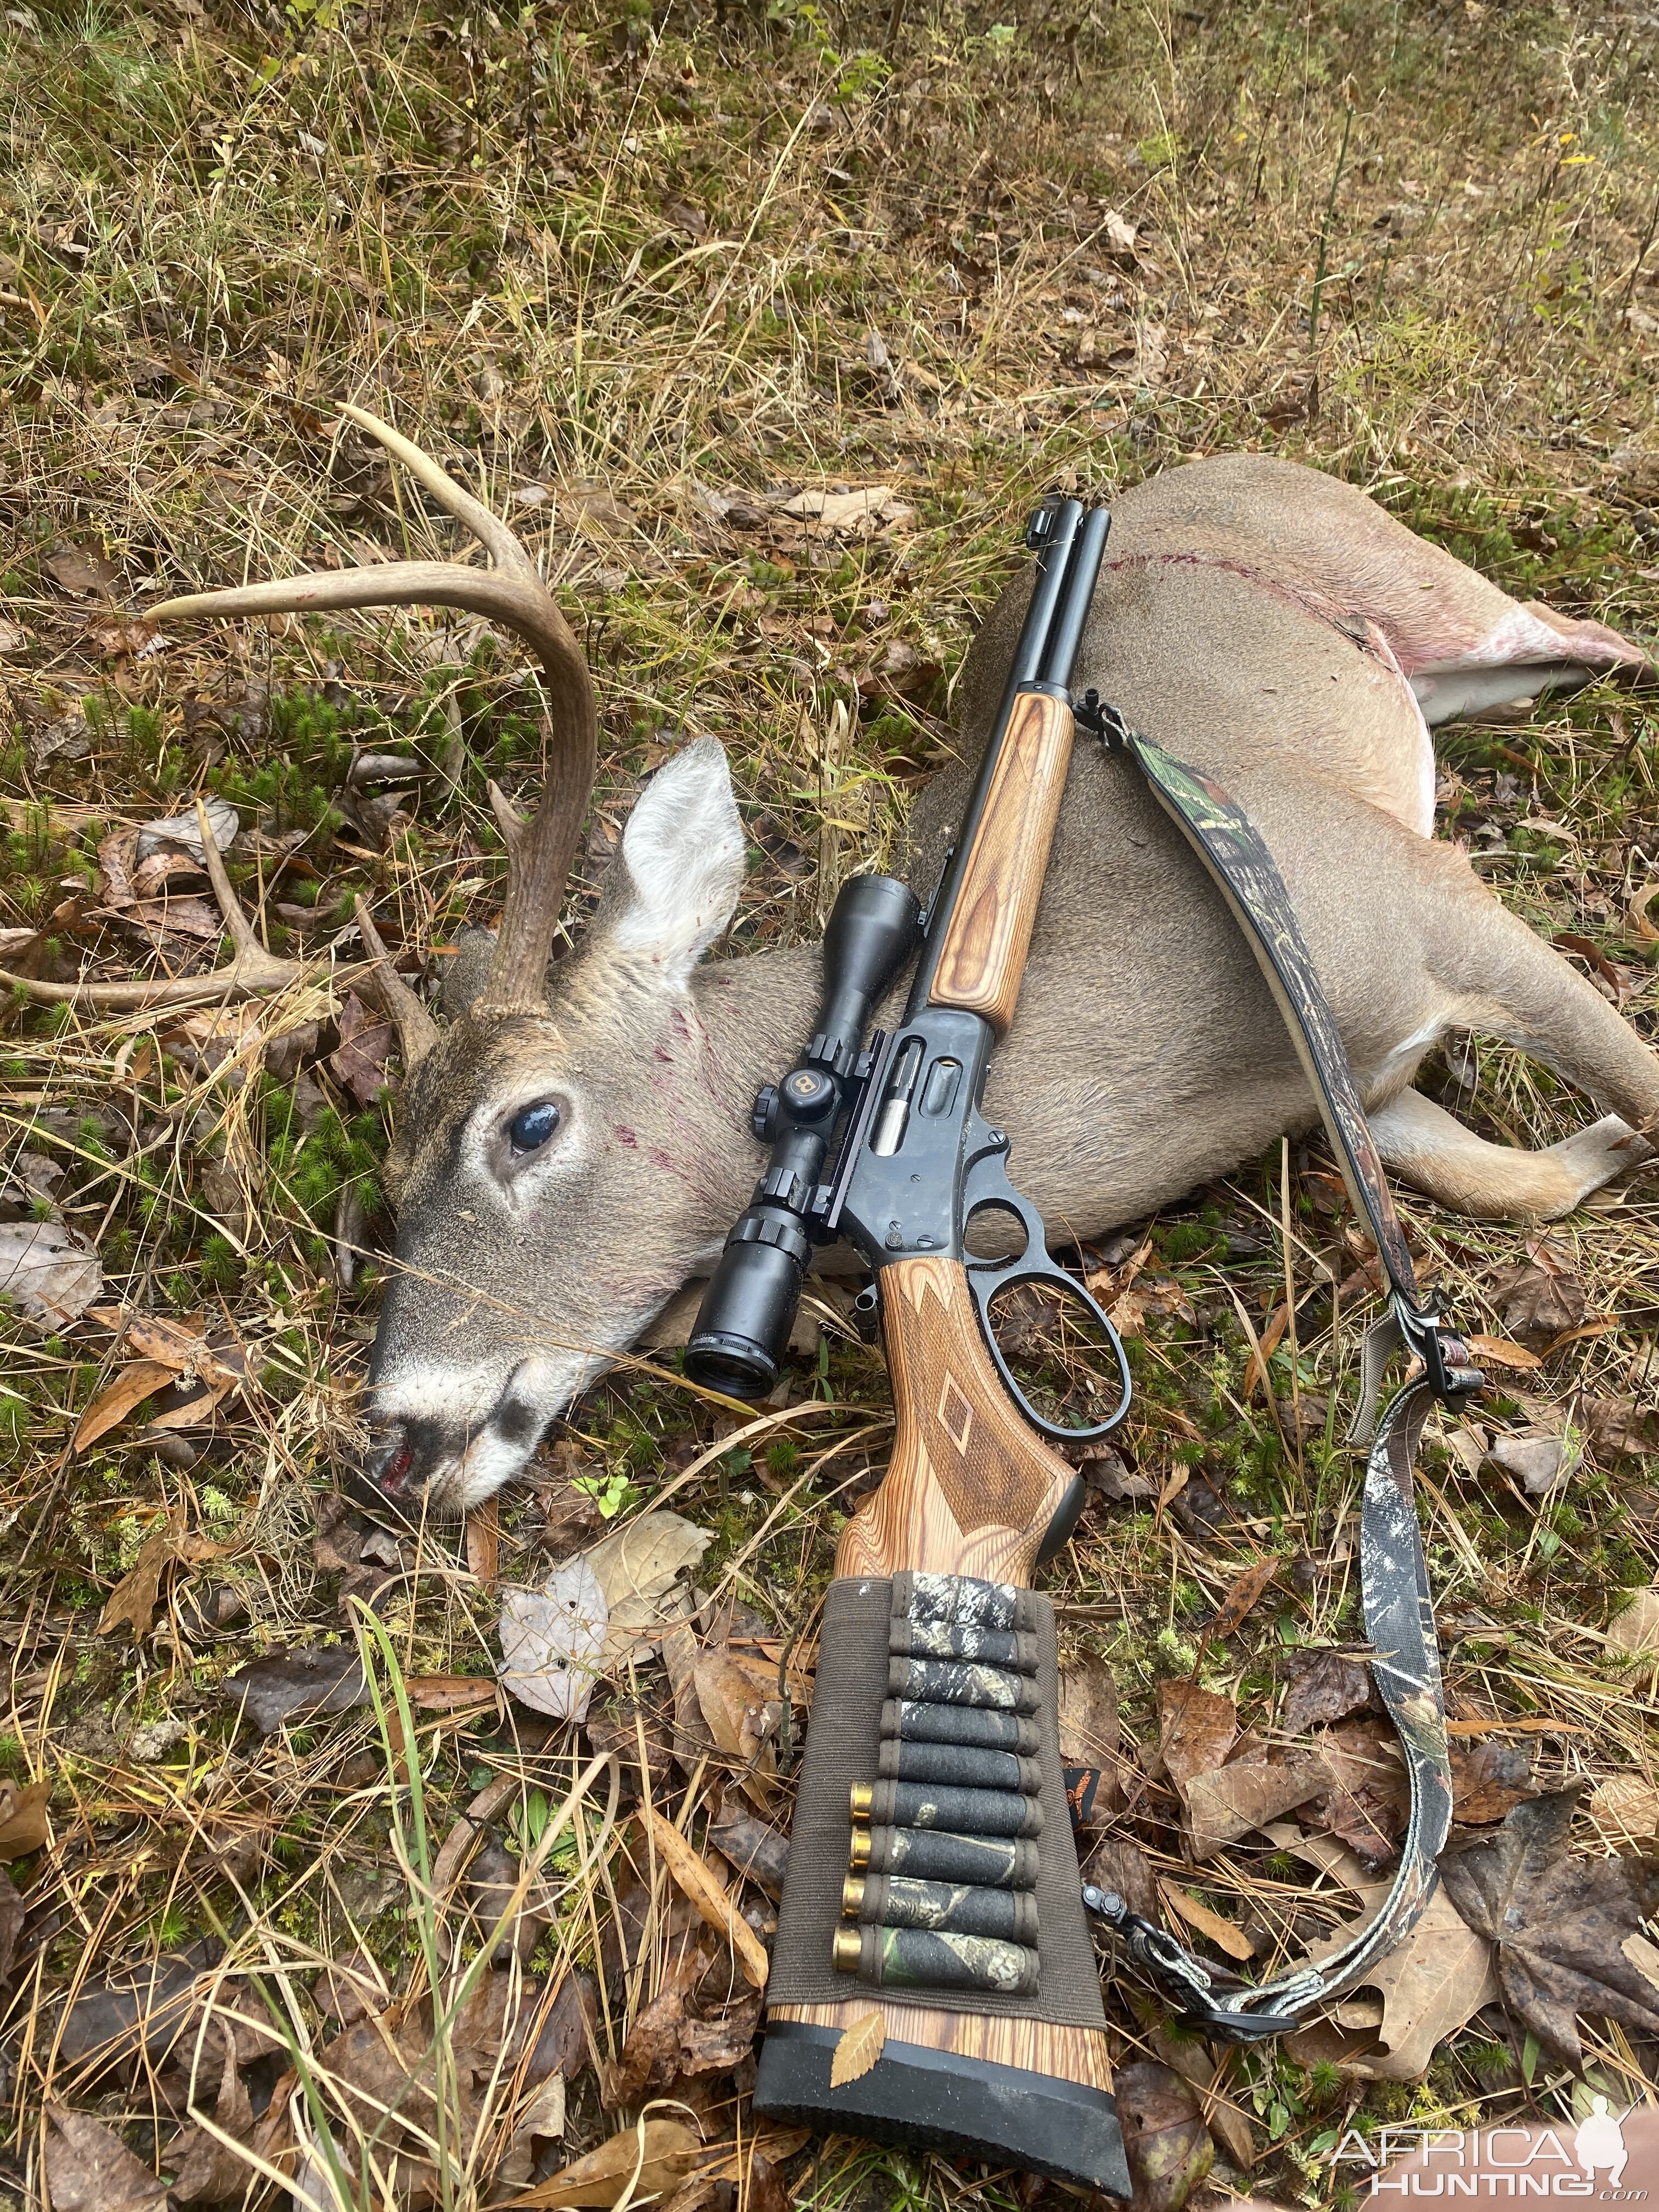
{"x":642,"y":280}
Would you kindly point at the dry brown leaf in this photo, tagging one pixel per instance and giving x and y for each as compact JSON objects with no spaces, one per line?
{"x":49,"y":1272}
{"x":1366,"y":1804}
{"x":133,"y":1601}
{"x":366,"y":1042}
{"x":1164,"y":2137}
{"x":449,"y":1693}
{"x":1226,"y":1804}
{"x":1328,"y":1688}
{"x":1242,"y":1598}
{"x":23,"y":1826}
{"x":703,"y":1888}
{"x":1627,"y":1804}
{"x":1489,"y":1779}
{"x":121,"y":1398}
{"x":1088,"y":1713}
{"x":1636,"y":1628}
{"x":484,"y":1538}
{"x":90,"y":2169}
{"x":1430,"y":1985}
{"x":1196,"y":1729}
{"x":638,"y":1568}
{"x":1498,"y":1352}
{"x":654,"y":2157}
{"x":732,"y":1709}
{"x":861,"y":2046}
{"x":1225,"y":1935}
{"x":208,"y":2170}
{"x":1541,"y":1299}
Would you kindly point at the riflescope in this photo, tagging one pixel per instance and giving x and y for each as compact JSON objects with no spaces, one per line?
{"x":749,"y":1307}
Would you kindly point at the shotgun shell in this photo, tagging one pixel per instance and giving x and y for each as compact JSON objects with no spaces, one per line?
{"x":962,"y":1598}
{"x":848,"y":1951}
{"x":994,"y":1861}
{"x":958,"y":1766}
{"x":858,"y":1854}
{"x":941,"y":1639}
{"x":863,"y":1795}
{"x":963,"y":1812}
{"x":961,"y":1682}
{"x":973,"y":1726}
{"x":852,"y":1895}
{"x":912,"y":1958}
{"x":948,"y":1908}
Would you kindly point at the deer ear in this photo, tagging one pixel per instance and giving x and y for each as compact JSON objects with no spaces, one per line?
{"x":682,"y":855}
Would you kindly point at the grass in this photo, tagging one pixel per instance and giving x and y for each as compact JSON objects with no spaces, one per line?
{"x":622,"y":267}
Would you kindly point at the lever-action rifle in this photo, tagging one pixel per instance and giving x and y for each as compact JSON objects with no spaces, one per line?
{"x":944,"y":1889}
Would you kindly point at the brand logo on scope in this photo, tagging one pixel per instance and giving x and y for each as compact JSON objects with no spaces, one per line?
{"x":1612,"y":2157}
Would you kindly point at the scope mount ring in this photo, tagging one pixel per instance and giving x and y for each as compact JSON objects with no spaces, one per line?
{"x":989,"y":1189}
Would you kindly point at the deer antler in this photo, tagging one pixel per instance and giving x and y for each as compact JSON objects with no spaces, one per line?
{"x":540,"y":853}
{"x":251,"y":970}
{"x":416,"y":1030}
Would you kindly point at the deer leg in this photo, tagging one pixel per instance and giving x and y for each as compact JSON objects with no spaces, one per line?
{"x":1437,"y":1155}
{"x":1501,"y":977}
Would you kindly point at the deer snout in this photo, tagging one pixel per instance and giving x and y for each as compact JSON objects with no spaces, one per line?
{"x":443,"y":1439}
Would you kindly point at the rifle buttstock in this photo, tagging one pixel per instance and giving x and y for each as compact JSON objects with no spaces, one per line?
{"x":970,"y":1489}
{"x":982,"y":956}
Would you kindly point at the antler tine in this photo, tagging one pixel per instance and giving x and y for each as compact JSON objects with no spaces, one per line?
{"x":540,"y":851}
{"x":416,"y":1030}
{"x":490,"y":531}
{"x":250,"y":971}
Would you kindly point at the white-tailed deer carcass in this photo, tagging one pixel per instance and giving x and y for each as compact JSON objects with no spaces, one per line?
{"x":570,"y":1148}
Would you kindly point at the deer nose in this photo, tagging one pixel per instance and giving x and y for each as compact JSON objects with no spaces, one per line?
{"x":403,"y":1456}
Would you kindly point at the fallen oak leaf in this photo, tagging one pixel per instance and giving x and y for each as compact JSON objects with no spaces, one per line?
{"x":859,"y":2046}
{"x":1560,"y":1922}
{"x":136,"y":1596}
{"x":1429,"y":1986}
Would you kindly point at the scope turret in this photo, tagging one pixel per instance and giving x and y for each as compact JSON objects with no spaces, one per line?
{"x":749,"y":1308}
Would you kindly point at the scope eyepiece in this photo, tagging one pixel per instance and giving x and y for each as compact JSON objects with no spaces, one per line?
{"x":749,"y":1308}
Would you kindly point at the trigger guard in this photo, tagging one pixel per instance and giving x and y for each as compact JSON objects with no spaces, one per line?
{"x":987,"y":1184}
{"x":986,"y":1281}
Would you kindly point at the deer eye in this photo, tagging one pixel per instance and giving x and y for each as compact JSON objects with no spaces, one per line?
{"x":532,"y":1126}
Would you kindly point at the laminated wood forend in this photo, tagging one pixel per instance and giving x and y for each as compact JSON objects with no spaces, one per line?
{"x":982,"y":956}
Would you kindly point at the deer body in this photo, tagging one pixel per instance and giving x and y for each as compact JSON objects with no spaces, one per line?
{"x":1269,"y":625}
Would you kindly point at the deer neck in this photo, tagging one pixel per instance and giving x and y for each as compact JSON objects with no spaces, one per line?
{"x":757,"y":1019}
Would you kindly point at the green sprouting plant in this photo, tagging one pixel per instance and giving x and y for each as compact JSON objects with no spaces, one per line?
{"x":612,"y":1493}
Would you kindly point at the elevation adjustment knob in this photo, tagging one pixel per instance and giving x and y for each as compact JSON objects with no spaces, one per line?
{"x":809,"y":1094}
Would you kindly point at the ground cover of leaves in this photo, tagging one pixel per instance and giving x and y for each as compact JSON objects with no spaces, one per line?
{"x":764,"y":328}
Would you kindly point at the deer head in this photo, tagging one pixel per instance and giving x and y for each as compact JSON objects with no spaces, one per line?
{"x":573,"y":1154}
